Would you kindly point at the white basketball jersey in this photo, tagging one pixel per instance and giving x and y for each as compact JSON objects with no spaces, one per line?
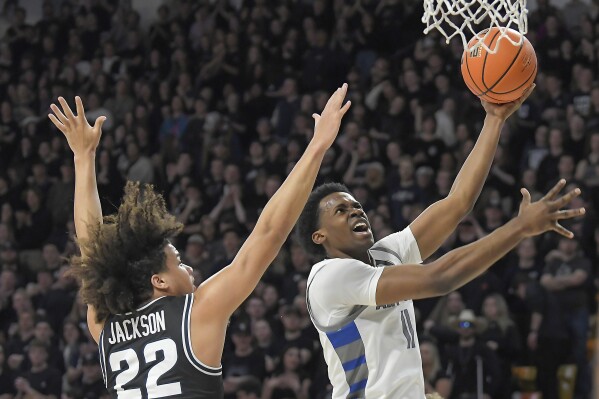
{"x":371,"y":351}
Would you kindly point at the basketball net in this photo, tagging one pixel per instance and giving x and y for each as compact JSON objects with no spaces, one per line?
{"x":461,"y":17}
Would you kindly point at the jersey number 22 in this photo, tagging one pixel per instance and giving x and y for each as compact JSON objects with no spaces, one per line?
{"x":168,"y":348}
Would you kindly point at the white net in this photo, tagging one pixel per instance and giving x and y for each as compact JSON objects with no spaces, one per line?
{"x":469,"y":17}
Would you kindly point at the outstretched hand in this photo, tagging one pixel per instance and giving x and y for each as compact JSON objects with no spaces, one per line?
{"x":83,"y":139}
{"x":328,"y":123}
{"x":545,"y":214}
{"x":504,"y":111}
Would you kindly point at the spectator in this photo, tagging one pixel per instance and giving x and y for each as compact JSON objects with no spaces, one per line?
{"x":243,"y":361}
{"x":548,"y":338}
{"x":40,"y":379}
{"x":435,"y":379}
{"x":470,"y":355}
{"x":566,"y":275}
{"x":289,"y":380}
{"x":502,"y":337}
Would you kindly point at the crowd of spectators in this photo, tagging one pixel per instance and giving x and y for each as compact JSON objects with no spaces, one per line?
{"x":212,"y":101}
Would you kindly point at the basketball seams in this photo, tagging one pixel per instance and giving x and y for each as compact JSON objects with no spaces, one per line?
{"x":534,"y":71}
{"x":482,"y":79}
{"x":505,"y":71}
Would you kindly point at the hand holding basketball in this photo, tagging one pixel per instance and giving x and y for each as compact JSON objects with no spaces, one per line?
{"x":83,"y":139}
{"x":504,"y":111}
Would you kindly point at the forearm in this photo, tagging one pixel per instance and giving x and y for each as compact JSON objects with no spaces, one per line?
{"x":451,"y":271}
{"x":535,"y":322}
{"x":469,"y":181}
{"x":464,"y":264}
{"x":87,"y":200}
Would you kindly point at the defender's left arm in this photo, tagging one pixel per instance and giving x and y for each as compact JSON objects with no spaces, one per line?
{"x":440,"y":219}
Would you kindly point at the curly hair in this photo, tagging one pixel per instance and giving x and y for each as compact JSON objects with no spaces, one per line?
{"x":123,"y":253}
{"x":309,"y":220}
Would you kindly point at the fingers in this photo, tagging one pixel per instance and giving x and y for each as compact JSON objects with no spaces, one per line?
{"x":527,"y":92}
{"x":66,"y":108}
{"x":345,"y":107}
{"x":99,"y":122}
{"x":337,"y":97}
{"x":79,"y":104}
{"x":525,"y":196}
{"x":316,"y":117}
{"x":562,"y":201}
{"x":57,"y":123}
{"x":559,"y":229}
{"x":63,"y":119}
{"x":556,"y":189}
{"x":569,"y":213}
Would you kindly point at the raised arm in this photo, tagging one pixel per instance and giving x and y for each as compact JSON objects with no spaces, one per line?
{"x":453,"y":270}
{"x":440,"y":219}
{"x":83,"y":140}
{"x":239,"y":279}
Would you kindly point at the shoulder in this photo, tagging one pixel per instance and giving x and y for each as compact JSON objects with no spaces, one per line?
{"x":334,"y":268}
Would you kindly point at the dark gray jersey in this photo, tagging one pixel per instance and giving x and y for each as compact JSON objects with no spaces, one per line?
{"x":148,"y":354}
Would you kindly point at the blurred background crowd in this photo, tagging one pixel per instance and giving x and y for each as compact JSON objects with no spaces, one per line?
{"x":211,"y":101}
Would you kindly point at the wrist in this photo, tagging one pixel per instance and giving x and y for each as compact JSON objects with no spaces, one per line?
{"x":494,"y":120}
{"x":519,"y":227}
{"x":317,"y":148}
{"x":84,"y":157}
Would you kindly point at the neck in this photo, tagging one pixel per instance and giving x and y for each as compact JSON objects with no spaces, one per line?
{"x":361,"y":256}
{"x":467,"y":341}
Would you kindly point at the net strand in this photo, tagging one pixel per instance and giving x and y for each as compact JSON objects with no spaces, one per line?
{"x":444,"y":15}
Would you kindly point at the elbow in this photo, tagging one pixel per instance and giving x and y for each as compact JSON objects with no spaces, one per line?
{"x":461,"y":205}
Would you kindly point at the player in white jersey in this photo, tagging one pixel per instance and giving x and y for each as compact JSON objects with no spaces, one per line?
{"x":360,"y":295}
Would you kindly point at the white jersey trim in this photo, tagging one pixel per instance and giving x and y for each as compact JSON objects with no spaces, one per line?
{"x":186,"y":335}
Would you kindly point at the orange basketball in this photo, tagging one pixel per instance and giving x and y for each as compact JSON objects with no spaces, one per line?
{"x":501,"y":77}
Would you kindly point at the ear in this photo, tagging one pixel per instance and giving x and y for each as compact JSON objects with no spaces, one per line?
{"x":158,"y":282}
{"x":318,"y":237}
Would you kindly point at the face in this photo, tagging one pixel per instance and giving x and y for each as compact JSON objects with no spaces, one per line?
{"x":343,"y":225}
{"x":262,"y":330}
{"x":454,"y":303}
{"x":43,"y":331}
{"x":37,"y":356}
{"x":426,"y":353}
{"x":490,"y":308}
{"x":527,"y":249}
{"x":177,"y":276}
{"x":291,"y":359}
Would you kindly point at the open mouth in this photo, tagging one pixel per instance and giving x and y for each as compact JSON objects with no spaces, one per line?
{"x":360,"y":227}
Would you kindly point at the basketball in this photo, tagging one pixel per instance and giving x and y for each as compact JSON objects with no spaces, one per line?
{"x":503,"y":76}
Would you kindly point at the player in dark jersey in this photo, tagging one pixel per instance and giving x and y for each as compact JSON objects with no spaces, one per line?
{"x":158,"y":336}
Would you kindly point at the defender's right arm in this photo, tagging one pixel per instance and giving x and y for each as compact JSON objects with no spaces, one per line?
{"x":83,"y":140}
{"x":463,"y":264}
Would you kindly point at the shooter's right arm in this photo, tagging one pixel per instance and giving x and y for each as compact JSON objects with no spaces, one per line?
{"x":463,"y":264}
{"x":83,"y":140}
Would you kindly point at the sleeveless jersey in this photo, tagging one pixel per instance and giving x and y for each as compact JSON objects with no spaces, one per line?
{"x":371,"y":351}
{"x":148,"y":354}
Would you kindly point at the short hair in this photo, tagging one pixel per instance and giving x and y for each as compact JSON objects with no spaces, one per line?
{"x":309,"y":220}
{"x":122,"y":254}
